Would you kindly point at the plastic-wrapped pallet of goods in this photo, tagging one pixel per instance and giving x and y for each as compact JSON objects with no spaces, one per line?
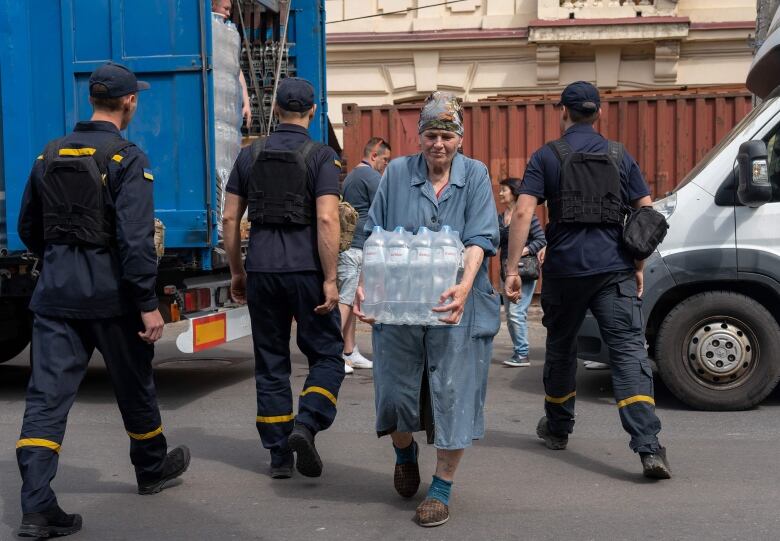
{"x":227,"y":102}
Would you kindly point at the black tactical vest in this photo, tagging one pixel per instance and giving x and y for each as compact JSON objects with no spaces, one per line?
{"x":590,"y":189}
{"x":73,"y":194}
{"x":280,"y":191}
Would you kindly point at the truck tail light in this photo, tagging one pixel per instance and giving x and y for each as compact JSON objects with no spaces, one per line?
{"x":204,"y":298}
{"x":197,"y":299}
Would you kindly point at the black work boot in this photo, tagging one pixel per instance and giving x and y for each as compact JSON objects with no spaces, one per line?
{"x":53,"y":522}
{"x":655,"y":465}
{"x":551,"y":441}
{"x":175,"y":464}
{"x":301,"y":441}
{"x":282,"y":465}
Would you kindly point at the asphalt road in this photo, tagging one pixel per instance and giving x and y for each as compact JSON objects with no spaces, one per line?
{"x":509,"y":486}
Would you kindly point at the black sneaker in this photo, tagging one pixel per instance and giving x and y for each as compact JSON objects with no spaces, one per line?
{"x":655,"y":465}
{"x":551,"y":441}
{"x":176,"y":463}
{"x":282,"y":465}
{"x":301,"y":441}
{"x":53,"y":522}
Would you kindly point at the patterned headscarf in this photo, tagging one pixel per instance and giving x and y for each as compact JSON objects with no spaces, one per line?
{"x":441,"y":111}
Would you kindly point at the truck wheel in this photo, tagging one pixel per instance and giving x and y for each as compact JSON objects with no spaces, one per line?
{"x":719,"y":350}
{"x":17,"y":331}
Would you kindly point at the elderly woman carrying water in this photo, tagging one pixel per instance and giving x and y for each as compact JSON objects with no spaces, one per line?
{"x":435,"y":377}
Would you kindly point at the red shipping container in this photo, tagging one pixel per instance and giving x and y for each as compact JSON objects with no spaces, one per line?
{"x":667,"y":131}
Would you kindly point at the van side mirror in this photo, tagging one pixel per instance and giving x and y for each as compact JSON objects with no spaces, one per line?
{"x":754,"y":188}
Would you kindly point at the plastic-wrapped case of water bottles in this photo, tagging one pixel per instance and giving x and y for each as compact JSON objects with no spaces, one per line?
{"x":404,"y":275}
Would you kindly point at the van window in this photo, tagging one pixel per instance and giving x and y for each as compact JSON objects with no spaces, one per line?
{"x":773,"y":162}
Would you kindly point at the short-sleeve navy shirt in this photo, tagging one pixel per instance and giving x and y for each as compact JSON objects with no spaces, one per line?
{"x":291,"y":248}
{"x":360,"y":188}
{"x":581,"y":250}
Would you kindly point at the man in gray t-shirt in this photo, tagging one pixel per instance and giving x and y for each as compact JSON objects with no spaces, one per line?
{"x":359,"y":189}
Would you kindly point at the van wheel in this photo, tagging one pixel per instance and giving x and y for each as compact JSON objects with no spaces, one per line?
{"x":719,"y":351}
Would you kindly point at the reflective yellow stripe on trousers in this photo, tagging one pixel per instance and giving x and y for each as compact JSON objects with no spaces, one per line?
{"x":148,"y":435}
{"x":275,"y":419}
{"x":38,"y":442}
{"x":319,"y":390}
{"x":553,"y":400}
{"x":633,"y":399}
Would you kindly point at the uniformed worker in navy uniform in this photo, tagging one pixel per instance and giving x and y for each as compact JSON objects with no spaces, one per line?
{"x":588,"y":184}
{"x":88,"y":213}
{"x":290,"y":185}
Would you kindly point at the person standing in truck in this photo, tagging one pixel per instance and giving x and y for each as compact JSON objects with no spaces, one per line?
{"x":359,"y":190}
{"x":88,"y":213}
{"x":290,"y":184}
{"x":588,"y":182}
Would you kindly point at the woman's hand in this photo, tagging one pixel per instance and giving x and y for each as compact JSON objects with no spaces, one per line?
{"x":526,"y":251}
{"x":360,"y":296}
{"x":458,"y":294}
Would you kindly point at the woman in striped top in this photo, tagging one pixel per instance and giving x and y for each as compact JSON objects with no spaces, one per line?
{"x":517,"y":314}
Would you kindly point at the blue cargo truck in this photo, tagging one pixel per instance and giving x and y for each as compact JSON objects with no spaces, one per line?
{"x":48,"y":48}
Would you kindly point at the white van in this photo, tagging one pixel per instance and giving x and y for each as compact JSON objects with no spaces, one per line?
{"x":711,"y":305}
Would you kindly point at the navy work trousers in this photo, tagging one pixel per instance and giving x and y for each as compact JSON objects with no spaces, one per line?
{"x":613,"y":300}
{"x":61,"y":349}
{"x":274,"y":299}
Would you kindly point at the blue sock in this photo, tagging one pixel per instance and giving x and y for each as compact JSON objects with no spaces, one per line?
{"x":440,"y":490}
{"x":407,"y":455}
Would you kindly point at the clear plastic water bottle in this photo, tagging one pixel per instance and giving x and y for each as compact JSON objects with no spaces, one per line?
{"x":374,"y":274}
{"x":461,"y":259}
{"x":447,"y":253}
{"x":397,"y":277}
{"x":421,"y":298}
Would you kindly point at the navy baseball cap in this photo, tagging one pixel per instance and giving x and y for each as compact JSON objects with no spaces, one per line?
{"x":295,"y":94}
{"x":581,"y":96}
{"x":117,"y":79}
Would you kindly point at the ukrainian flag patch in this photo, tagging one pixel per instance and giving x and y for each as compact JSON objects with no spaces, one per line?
{"x":148,"y":174}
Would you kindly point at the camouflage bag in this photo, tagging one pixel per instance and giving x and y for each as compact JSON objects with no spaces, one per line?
{"x":159,"y":238}
{"x":348,"y":218}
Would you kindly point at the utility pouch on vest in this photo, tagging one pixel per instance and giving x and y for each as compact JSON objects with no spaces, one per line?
{"x":280,"y":191}
{"x":644,"y":230}
{"x":590,"y":188}
{"x":73,"y":194}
